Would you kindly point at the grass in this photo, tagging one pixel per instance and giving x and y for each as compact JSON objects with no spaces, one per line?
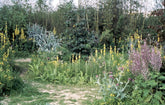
{"x":37,"y":92}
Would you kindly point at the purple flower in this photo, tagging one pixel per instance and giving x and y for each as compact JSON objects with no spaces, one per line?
{"x":110,"y":76}
{"x":97,"y":76}
{"x":48,"y":58}
{"x":129,"y":79}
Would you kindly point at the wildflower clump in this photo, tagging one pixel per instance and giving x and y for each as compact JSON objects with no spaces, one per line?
{"x":7,"y":77}
{"x":147,"y":58}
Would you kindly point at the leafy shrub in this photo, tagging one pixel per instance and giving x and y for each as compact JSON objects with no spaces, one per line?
{"x":148,"y":91}
{"x":107,"y":37}
{"x":13,"y":15}
{"x":78,"y":39}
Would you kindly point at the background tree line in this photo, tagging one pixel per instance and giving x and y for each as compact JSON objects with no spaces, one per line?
{"x":104,"y":22}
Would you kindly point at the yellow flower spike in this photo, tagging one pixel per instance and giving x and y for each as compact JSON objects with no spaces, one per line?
{"x":158,"y":39}
{"x":101,"y":51}
{"x":132,"y":46}
{"x":164,"y":57}
{"x":96,"y":53}
{"x":128,"y":39}
{"x":155,"y":49}
{"x":94,"y":60}
{"x":7,"y":52}
{"x":6,"y":28}
{"x":22,"y":34}
{"x":119,"y":39}
{"x":1,"y":63}
{"x":54,"y":62}
{"x":9,"y":78}
{"x":117,"y":52}
{"x":104,"y":49}
{"x":127,"y":70}
{"x":79,"y":56}
{"x":16,"y":31}
{"x":13,"y":37}
{"x":54,"y":31}
{"x":141,"y":37}
{"x":131,"y":38}
{"x":72,"y":58}
{"x":112,"y":57}
{"x":110,"y":51}
{"x":115,"y":49}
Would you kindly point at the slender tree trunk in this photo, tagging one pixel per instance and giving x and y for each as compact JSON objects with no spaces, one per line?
{"x":97,"y":18}
{"x":78,"y":15}
{"x":87,"y":21}
{"x":86,"y":16}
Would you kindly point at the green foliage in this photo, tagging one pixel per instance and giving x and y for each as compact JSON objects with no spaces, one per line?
{"x":13,"y":15}
{"x":53,"y":68}
{"x":148,"y":91}
{"x":78,"y":39}
{"x":107,"y":37}
{"x":113,"y":87}
{"x":9,"y":80}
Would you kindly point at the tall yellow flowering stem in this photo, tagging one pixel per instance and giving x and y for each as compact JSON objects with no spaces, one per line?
{"x":158,"y":38}
{"x":54,"y":31}
{"x":96,"y":53}
{"x":16,"y":31}
{"x":22,"y":37}
{"x":104,"y":49}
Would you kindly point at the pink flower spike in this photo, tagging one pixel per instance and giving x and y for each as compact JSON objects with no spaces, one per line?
{"x":117,"y":84}
{"x":97,"y":76}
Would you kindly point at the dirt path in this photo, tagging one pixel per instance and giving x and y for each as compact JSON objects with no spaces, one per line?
{"x":69,"y":95}
{"x":51,"y":94}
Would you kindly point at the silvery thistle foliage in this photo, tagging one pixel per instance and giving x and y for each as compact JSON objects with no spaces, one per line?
{"x":46,"y":40}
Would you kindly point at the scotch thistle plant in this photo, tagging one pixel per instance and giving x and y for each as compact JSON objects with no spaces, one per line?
{"x":113,"y":87}
{"x":45,"y":40}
